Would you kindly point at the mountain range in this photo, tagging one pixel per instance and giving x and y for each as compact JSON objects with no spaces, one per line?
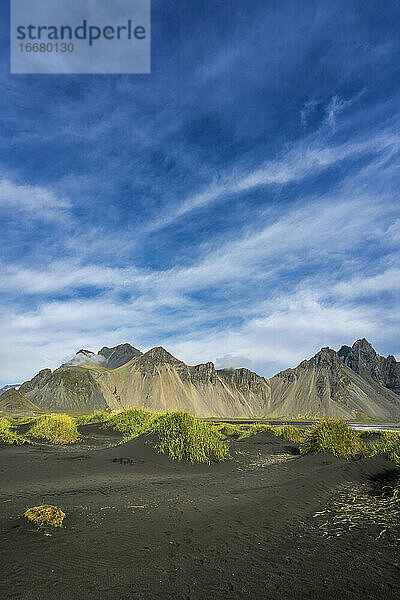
{"x":354,"y":382}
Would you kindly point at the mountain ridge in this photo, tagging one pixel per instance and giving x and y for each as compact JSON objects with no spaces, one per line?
{"x":352,"y":381}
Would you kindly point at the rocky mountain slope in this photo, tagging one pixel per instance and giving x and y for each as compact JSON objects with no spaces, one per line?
{"x":362,"y":359}
{"x":14,"y":401}
{"x":326,"y":385}
{"x":118,"y":356}
{"x":354,"y":382}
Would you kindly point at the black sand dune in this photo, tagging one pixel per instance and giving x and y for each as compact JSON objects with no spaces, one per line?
{"x":266,"y":524}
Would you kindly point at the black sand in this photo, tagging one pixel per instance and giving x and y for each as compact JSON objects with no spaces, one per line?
{"x":141,"y":526}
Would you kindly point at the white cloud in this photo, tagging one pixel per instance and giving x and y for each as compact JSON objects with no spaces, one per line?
{"x":38,"y":202}
{"x":274,"y":328}
{"x":386,"y":281}
{"x":284,"y":285}
{"x":305,"y":158}
{"x":335,"y":107}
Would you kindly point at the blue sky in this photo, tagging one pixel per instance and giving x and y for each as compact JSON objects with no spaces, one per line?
{"x":240,"y":204}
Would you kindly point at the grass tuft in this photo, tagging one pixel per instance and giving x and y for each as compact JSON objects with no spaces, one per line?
{"x":45,"y":515}
{"x":389,"y":445}
{"x":8,"y":436}
{"x":180,"y":435}
{"x":241,"y":432}
{"x":57,"y":429}
{"x":333,"y":436}
{"x":292,"y":434}
{"x":131,"y":422}
{"x":100,"y":417}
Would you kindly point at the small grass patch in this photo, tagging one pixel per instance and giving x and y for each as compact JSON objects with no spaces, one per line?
{"x":288,"y":432}
{"x":99,"y":417}
{"x":45,"y":515}
{"x":389,"y":445}
{"x":8,"y":436}
{"x":291,"y":434}
{"x":246,"y":431}
{"x":333,"y":436}
{"x":57,"y":429}
{"x":243,"y":431}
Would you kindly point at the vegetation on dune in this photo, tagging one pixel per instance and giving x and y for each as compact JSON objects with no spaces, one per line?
{"x":243,"y":431}
{"x":333,"y":436}
{"x":7,"y":435}
{"x":291,"y":434}
{"x":99,"y":417}
{"x":23,"y":420}
{"x":250,"y":430}
{"x":131,"y":422}
{"x":45,"y":515}
{"x":181,"y":435}
{"x":57,"y":429}
{"x":178,"y":434}
{"x":389,"y":445}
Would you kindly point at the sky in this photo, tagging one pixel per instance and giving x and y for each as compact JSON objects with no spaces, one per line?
{"x":239,"y":204}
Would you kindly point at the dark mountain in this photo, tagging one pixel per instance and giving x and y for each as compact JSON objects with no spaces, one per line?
{"x":326,"y":386}
{"x":362,"y":359}
{"x":119,"y":355}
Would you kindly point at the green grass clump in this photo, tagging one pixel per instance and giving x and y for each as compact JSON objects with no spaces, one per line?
{"x":333,"y":436}
{"x":389,"y":445}
{"x":292,"y":434}
{"x":243,"y":431}
{"x":227,"y":429}
{"x":8,"y":436}
{"x":250,"y":430}
{"x":45,"y":515}
{"x":99,"y":417}
{"x":180,"y":435}
{"x":131,"y":422}
{"x":57,"y":429}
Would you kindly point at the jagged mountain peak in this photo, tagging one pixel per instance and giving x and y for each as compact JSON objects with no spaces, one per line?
{"x":362,"y":342}
{"x":324,"y":357}
{"x":363,"y":345}
{"x":362,"y":358}
{"x":159,"y":356}
{"x":85,"y":352}
{"x":117,"y":356}
{"x":125,"y":345}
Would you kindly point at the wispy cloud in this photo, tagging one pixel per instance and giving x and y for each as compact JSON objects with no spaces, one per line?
{"x":35,"y":201}
{"x":306,"y":158}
